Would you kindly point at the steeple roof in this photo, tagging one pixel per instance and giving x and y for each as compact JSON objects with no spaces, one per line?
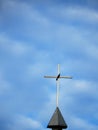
{"x":57,"y":120}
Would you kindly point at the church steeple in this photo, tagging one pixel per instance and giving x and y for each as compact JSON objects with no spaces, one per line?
{"x":57,"y":121}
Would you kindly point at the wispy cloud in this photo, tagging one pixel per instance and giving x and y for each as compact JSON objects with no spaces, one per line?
{"x":22,"y":122}
{"x":5,"y":86}
{"x":12,"y":46}
{"x":79,"y":123}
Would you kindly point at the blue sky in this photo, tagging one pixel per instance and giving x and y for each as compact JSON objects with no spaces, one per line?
{"x":35,"y":36}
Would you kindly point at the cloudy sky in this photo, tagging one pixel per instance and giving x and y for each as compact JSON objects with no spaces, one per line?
{"x":35,"y":36}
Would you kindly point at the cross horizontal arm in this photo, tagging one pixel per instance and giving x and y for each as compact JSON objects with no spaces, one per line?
{"x":50,"y":76}
{"x":66,"y":77}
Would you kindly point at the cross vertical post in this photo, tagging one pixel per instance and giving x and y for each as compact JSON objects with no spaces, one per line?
{"x":57,"y":85}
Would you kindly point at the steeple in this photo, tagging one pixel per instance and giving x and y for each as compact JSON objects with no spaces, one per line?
{"x":57,"y":121}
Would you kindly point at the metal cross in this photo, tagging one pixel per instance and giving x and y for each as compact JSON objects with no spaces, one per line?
{"x":57,"y":82}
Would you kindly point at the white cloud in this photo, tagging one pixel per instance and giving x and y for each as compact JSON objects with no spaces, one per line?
{"x":19,"y":49}
{"x":83,"y":14}
{"x":92,"y":51}
{"x":28,"y":122}
{"x":12,"y":46}
{"x":79,"y":95}
{"x":76,"y":88}
{"x":24,"y":123}
{"x":82,"y":124}
{"x":5,"y":86}
{"x":77,"y":13}
{"x":25,"y":10}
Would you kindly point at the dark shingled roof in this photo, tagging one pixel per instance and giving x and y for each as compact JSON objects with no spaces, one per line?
{"x":57,"y":120}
